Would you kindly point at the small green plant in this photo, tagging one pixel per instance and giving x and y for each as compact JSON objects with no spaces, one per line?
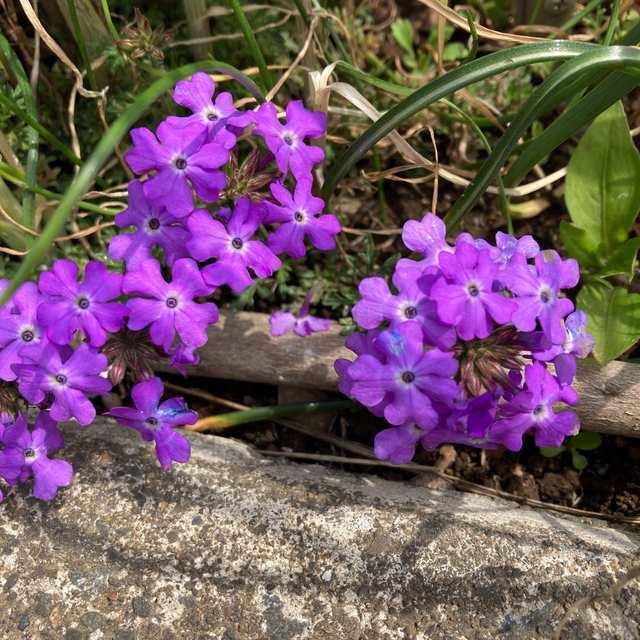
{"x":583,"y":441}
{"x":420,"y":61}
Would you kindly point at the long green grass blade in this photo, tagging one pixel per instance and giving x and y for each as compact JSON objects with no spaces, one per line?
{"x":610,"y":90}
{"x":96,"y":160}
{"x":602,"y":59}
{"x":81,"y":45}
{"x":247,"y":32}
{"x":238,"y":76}
{"x":52,"y":195}
{"x":613,"y":23}
{"x":600,"y":99}
{"x":303,"y":12}
{"x":458,"y":78}
{"x":28,"y":199}
{"x":577,"y":17}
{"x":502,"y":196}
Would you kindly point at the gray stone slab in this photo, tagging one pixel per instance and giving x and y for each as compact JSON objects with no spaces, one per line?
{"x":236,"y":546}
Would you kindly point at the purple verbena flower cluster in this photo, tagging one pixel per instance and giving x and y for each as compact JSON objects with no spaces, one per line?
{"x":70,"y":337}
{"x":462,"y":350}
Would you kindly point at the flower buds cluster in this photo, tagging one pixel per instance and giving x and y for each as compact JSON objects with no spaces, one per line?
{"x":463,"y":350}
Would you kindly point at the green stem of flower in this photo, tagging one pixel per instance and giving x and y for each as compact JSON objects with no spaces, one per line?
{"x":107,"y":18}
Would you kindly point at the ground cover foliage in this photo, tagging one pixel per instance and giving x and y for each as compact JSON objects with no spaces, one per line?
{"x":491,"y":126}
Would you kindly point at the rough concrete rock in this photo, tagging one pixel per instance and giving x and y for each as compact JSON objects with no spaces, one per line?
{"x":236,"y":546}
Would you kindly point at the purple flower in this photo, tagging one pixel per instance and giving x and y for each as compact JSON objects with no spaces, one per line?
{"x":155,"y":226}
{"x":472,"y":423}
{"x":474,"y":416}
{"x":509,"y":246}
{"x":172,"y":307}
{"x":579,"y":341}
{"x":156,"y":421}
{"x":232,"y":246}
{"x":299,"y":217}
{"x":286,"y":141}
{"x":302,"y":323}
{"x":495,"y":434}
{"x":537,"y":290}
{"x":465,"y":298}
{"x":11,"y":461}
{"x":427,"y":237}
{"x":72,"y":305}
{"x":33,"y":447}
{"x":184,"y":155}
{"x":197,"y":95}
{"x":183,"y":356}
{"x":398,"y":444}
{"x":359,"y":343}
{"x":68,"y":375}
{"x":533,"y":408}
{"x":378,"y":305}
{"x":412,"y":376}
{"x":19,"y":327}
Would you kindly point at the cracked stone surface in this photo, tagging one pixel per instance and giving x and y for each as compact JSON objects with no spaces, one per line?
{"x":235,"y":546}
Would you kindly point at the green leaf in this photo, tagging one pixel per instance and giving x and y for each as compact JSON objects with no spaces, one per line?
{"x":603,"y":181}
{"x":433,"y":34}
{"x":579,"y":461}
{"x":552,"y":452}
{"x":454,"y":51}
{"x":579,"y":246}
{"x":622,"y":261}
{"x":586,"y":440}
{"x":614,"y":318}
{"x":402,"y":31}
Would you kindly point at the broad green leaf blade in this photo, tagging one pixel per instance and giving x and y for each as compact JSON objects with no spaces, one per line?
{"x":603,"y":181}
{"x":579,"y":246}
{"x":614,"y":318}
{"x":579,"y":461}
{"x":622,"y":261}
{"x":586,"y":440}
{"x":551,"y":452}
{"x":454,"y":51}
{"x":402,"y":31}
